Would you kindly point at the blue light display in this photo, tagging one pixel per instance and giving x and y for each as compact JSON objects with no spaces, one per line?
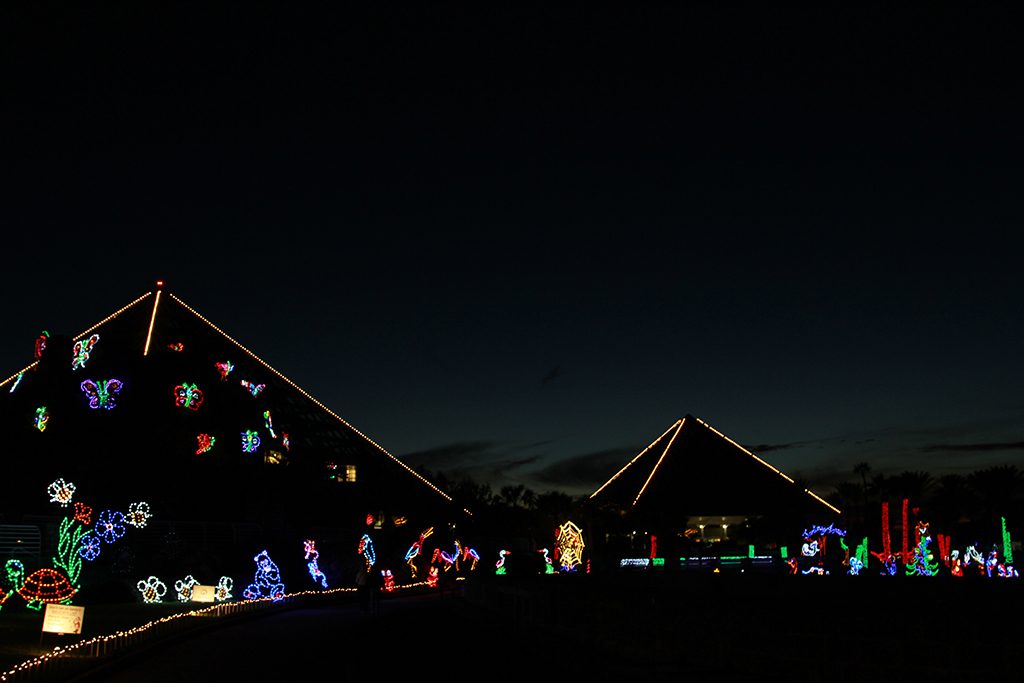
{"x":267,"y":582}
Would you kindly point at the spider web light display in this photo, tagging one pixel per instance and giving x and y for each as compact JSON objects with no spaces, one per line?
{"x":570,"y":545}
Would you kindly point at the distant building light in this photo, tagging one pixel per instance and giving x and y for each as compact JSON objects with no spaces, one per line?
{"x":350,"y":473}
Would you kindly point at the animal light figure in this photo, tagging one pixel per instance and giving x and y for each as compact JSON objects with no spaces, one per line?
{"x":82,"y":350}
{"x":205,"y":442}
{"x":469,"y":553}
{"x":41,"y":418}
{"x":416,"y":549}
{"x":389,"y":580}
{"x":809,"y":549}
{"x":253,"y":388}
{"x":152,"y":589}
{"x":250,"y":441}
{"x":187,"y":396}
{"x":224,"y":588}
{"x":225,"y":369}
{"x":366,"y":550}
{"x":971,"y":554}
{"x":500,"y":564}
{"x":549,"y":567}
{"x":185,"y":587}
{"x":138,"y":514}
{"x":855,"y":566}
{"x":267,"y":583}
{"x":956,"y":569}
{"x":449,"y":560}
{"x":992,"y":562}
{"x":313,"y":556}
{"x":432,"y":577}
{"x":61,"y":492}
{"x":102,"y":394}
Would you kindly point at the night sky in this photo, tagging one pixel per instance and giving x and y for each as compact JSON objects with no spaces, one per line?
{"x":520,"y":243}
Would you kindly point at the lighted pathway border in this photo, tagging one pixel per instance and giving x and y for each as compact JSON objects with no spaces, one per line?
{"x":102,"y":646}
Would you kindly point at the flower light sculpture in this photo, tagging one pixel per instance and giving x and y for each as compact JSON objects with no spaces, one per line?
{"x":110,"y":525}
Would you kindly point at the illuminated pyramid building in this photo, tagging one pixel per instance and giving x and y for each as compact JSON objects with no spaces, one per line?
{"x":695,"y":478}
{"x":156,"y":403}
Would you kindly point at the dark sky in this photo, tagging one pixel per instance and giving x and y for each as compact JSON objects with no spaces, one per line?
{"x":520,"y":243}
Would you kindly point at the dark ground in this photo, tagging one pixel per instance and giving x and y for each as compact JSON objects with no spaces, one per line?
{"x":620,"y":627}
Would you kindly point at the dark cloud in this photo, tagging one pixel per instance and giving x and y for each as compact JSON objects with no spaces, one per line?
{"x":445,"y":456}
{"x":972,"y":447}
{"x":502,"y":468}
{"x":768,"y":448}
{"x":552,"y":375}
{"x":586,"y":471}
{"x":480,"y":460}
{"x":536,"y":444}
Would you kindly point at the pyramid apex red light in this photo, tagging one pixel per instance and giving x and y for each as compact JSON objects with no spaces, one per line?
{"x":159,"y":283}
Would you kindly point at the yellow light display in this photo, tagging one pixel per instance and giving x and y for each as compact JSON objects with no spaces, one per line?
{"x":570,"y":545}
{"x":152,"y":320}
{"x":651,"y":475}
{"x":616,"y":476}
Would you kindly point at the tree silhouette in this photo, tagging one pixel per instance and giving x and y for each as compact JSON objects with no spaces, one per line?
{"x":863,"y":469}
{"x":951,"y":501}
{"x":998,"y":489}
